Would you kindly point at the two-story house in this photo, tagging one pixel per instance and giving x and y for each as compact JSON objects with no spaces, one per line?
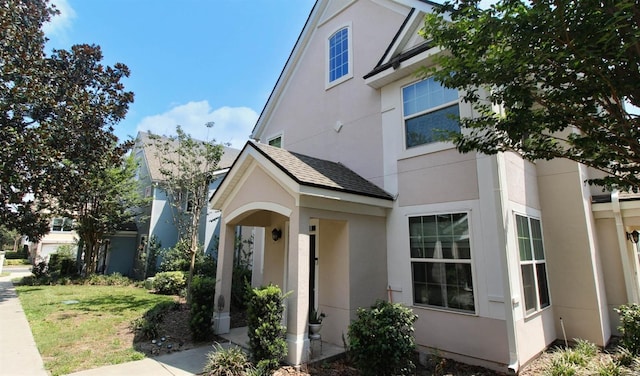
{"x":158,"y":220}
{"x":497,"y":256}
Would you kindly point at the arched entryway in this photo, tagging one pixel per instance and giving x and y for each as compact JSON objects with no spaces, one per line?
{"x":323,"y":245}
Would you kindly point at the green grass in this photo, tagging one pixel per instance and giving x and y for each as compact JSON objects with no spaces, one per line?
{"x":91,"y":333}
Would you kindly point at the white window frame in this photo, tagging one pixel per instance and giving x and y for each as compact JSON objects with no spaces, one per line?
{"x":428,"y":146}
{"x":280,"y":136}
{"x":349,"y":74}
{"x":62,"y":226}
{"x":534,"y":262}
{"x":427,"y":260}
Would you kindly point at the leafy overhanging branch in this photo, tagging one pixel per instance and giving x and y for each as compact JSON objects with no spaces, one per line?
{"x":564,"y":72}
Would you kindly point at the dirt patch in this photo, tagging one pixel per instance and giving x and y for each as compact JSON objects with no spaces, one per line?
{"x":173,"y":334}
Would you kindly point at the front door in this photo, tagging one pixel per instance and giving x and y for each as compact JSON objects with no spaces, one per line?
{"x":312,"y":272}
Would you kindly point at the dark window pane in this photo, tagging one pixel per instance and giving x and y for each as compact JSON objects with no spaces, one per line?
{"x":543,"y":288}
{"x":416,"y":247}
{"x":536,"y":236}
{"x":428,"y":128}
{"x":419,"y":271}
{"x":462,"y":250}
{"x":415,"y":226}
{"x":459,"y":287}
{"x":528,"y":282}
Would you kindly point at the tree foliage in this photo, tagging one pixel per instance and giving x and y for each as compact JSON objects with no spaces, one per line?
{"x":105,"y":200}
{"x":56,"y":114}
{"x":561,"y":70}
{"x":187,"y":167}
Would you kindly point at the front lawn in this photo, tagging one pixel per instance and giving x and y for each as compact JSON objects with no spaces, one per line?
{"x":78,"y":327}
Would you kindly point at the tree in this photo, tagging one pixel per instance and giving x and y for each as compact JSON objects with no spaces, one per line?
{"x":187,"y":167}
{"x":102,"y":203}
{"x":9,"y":237}
{"x":561,"y":70}
{"x":56,"y":115}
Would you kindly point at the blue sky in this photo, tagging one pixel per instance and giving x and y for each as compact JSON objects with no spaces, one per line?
{"x":191,"y":61}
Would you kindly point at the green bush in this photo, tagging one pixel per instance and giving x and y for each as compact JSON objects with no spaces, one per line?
{"x":630,"y":327}
{"x":201,"y":310}
{"x":381,"y":339}
{"x":179,"y":258}
{"x":62,"y":264}
{"x":266,"y":333}
{"x":10,"y":255}
{"x":170,"y":283}
{"x":175,"y":258}
{"x":230,"y":361}
{"x":115,"y":279}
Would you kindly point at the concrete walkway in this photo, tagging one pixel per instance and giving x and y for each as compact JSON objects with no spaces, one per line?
{"x":19,"y":355}
{"x":18,"y":352}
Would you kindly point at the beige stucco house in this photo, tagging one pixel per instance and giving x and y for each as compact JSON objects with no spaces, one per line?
{"x":357,"y":201}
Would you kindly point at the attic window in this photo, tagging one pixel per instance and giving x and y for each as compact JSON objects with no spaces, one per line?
{"x":340,"y":56}
{"x":275,"y":141}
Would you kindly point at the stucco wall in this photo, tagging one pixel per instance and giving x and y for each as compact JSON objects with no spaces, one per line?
{"x":442,"y":176}
{"x":612,"y":268}
{"x":573,"y":265}
{"x":307,"y":114}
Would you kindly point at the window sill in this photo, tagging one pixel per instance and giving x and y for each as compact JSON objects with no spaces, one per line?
{"x":338,"y":81}
{"x":534,"y":314}
{"x":444,"y":310}
{"x":433,"y":147}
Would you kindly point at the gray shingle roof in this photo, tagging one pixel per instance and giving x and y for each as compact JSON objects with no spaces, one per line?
{"x":153,"y":162}
{"x":321,"y":173}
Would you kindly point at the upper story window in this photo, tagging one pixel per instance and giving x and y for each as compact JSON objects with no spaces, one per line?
{"x":339,"y":54}
{"x":276,"y":141}
{"x":441,"y":261}
{"x":61,"y":224}
{"x":533,"y":266}
{"x":428,"y":109}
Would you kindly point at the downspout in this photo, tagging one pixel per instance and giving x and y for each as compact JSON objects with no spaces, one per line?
{"x":509,"y":300}
{"x":621,"y":234}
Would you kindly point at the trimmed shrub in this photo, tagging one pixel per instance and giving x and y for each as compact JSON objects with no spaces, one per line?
{"x":62,"y":265}
{"x":630,"y":327}
{"x":266,"y":333}
{"x":201,"y":310}
{"x":170,"y":283}
{"x":115,"y":279}
{"x":230,"y":361}
{"x":381,"y":339}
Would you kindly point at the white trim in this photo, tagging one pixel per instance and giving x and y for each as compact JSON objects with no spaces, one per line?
{"x":537,"y":309}
{"x":429,"y":147}
{"x":258,"y":205}
{"x":329,"y":84}
{"x":471,"y":262}
{"x":280,"y":135}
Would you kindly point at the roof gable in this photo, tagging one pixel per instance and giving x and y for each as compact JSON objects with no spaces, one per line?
{"x":322,"y":12}
{"x":144,"y":143}
{"x":304,"y":175}
{"x":407,"y":51}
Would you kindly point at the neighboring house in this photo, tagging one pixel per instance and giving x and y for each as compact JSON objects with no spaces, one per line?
{"x":497,"y":256}
{"x":159,"y":222}
{"x":60,"y":233}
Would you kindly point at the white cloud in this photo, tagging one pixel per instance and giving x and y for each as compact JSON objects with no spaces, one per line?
{"x":232,"y":124}
{"x":61,"y":23}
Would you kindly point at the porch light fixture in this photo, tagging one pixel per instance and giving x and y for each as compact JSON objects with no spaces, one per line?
{"x":633,"y":236}
{"x":277,"y":234}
